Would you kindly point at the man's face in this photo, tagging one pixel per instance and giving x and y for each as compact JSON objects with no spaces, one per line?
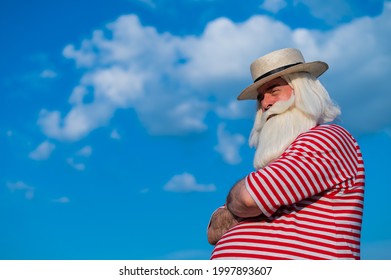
{"x":273,"y":91}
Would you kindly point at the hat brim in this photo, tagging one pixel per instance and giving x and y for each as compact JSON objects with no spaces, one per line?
{"x":315,"y":68}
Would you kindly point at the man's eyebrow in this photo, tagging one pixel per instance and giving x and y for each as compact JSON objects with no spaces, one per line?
{"x":261,"y":93}
{"x":276,"y":84}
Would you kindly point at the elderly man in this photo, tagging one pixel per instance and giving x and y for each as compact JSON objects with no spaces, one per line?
{"x":305,"y":199}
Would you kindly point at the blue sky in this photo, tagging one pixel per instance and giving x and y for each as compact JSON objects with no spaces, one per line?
{"x":120,"y":130}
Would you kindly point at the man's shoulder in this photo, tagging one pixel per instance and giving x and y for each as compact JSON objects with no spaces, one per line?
{"x":325,"y":130}
{"x":328,"y":128}
{"x":332,"y":131}
{"x":323,"y":138}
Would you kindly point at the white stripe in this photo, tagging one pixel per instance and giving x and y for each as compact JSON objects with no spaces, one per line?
{"x":254,"y":241}
{"x":282,"y":164}
{"x":335,"y":161}
{"x":287,"y":238}
{"x":295,"y":182}
{"x":319,"y":160}
{"x":270,"y":254}
{"x":260,"y":247}
{"x":249,"y":189}
{"x":309,"y":173}
{"x":351,"y":150}
{"x":268,"y":188}
{"x":268,"y":228}
{"x":277,"y":189}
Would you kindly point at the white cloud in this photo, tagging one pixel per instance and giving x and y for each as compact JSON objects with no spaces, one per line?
{"x":121,"y":72}
{"x":79,"y":158}
{"x":174,"y":117}
{"x":273,"y":6}
{"x":48,"y":74}
{"x":82,"y":58}
{"x":85,"y":151}
{"x":235,"y":110}
{"x":115,"y":135}
{"x":112,"y":88}
{"x":149,"y":3}
{"x":166,"y":79}
{"x":61,"y":200}
{"x":331,"y":11}
{"x":220,"y":56}
{"x":187,"y":183}
{"x":228,"y":145}
{"x":43,"y":151}
{"x":20,"y":186}
{"x":80,"y":121}
{"x":359,"y":59}
{"x":170,"y":80}
{"x":76,"y":165}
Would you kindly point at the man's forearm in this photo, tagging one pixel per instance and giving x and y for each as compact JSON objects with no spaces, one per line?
{"x":222,"y":220}
{"x":240,"y":203}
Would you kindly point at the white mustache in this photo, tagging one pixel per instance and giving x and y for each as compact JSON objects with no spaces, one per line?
{"x":278,"y":108}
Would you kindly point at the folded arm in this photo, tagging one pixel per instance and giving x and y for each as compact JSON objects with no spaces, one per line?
{"x":239,"y":206}
{"x":222,"y":220}
{"x":240,"y":203}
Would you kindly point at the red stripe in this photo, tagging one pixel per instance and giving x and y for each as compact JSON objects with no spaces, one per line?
{"x":293,"y":254}
{"x":288,"y":243}
{"x":320,"y":161}
{"x":288,"y":173}
{"x":264,"y":203}
{"x":302,"y":230}
{"x":274,"y":190}
{"x":340,"y":161}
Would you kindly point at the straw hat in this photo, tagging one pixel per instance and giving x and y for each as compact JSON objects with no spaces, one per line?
{"x":276,"y":64}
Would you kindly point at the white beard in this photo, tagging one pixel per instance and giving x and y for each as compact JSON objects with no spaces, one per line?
{"x":271,"y":136}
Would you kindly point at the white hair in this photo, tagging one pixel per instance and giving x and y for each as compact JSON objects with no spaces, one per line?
{"x":312,"y":98}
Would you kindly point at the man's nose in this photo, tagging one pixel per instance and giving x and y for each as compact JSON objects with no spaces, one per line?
{"x":268,"y":102}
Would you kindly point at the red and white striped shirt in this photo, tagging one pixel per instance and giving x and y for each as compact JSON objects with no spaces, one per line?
{"x":312,"y":200}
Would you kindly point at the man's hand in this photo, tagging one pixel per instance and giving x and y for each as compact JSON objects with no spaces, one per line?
{"x":239,"y":206}
{"x":222,"y":220}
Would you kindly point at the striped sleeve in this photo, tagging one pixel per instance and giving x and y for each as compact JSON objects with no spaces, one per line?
{"x":323,"y":158}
